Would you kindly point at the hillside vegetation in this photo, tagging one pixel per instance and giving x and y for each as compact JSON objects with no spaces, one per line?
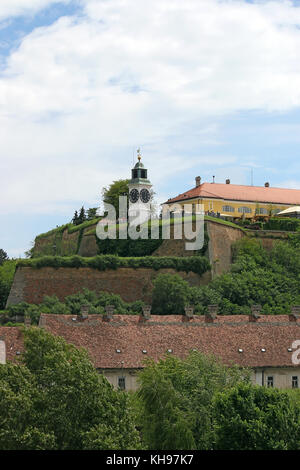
{"x":257,"y":276}
{"x":7,"y":271}
{"x":67,"y":240}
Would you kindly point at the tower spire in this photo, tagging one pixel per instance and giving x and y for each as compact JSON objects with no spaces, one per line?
{"x":139,"y":154}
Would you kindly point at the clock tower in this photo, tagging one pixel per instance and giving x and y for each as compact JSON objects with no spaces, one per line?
{"x":139,"y":193}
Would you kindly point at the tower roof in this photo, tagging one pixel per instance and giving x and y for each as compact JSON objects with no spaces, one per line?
{"x":139,"y":172}
{"x":139,"y":164}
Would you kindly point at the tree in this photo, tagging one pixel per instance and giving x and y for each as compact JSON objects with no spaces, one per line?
{"x":18,"y":430}
{"x":111,"y":194}
{"x":91,"y":213}
{"x":59,"y":401}
{"x":3,"y":256}
{"x":7,"y":272}
{"x":169,"y":294}
{"x":82,"y":216}
{"x":75,"y":219}
{"x":175,"y":400}
{"x":251,"y":417}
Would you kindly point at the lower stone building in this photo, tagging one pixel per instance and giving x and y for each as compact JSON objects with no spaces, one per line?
{"x":119,"y":344}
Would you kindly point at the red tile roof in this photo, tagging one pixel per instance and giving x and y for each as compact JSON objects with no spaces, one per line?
{"x":13,"y":338}
{"x":131,"y":336}
{"x":235,"y":192}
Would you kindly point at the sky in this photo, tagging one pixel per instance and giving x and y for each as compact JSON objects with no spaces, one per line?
{"x":203,"y":87}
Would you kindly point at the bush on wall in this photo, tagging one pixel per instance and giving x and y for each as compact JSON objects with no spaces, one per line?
{"x":286,"y":224}
{"x":196,"y":264}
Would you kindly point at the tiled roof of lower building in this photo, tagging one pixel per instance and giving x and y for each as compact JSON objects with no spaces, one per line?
{"x":13,"y":338}
{"x":126,"y":340}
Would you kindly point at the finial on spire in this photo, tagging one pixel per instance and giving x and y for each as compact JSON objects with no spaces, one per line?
{"x":139,"y":154}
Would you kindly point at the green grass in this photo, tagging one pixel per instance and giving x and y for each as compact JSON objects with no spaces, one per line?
{"x":70,"y":227}
{"x":74,"y":228}
{"x":180,"y":220}
{"x":223,"y":222}
{"x":54,"y":231}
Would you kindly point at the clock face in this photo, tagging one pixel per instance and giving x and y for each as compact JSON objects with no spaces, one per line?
{"x":145,"y":195}
{"x":134,"y":195}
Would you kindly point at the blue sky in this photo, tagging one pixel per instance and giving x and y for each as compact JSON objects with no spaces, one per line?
{"x":204,"y":87}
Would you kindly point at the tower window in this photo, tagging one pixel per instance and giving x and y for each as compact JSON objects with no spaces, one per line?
{"x":143,"y":174}
{"x":134,"y":174}
{"x":121,"y":383}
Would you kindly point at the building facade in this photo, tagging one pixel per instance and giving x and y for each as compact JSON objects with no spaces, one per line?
{"x":236,"y":201}
{"x":119,"y":345}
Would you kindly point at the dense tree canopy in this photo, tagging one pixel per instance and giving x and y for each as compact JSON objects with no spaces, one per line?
{"x":7,"y":271}
{"x":176,"y":400}
{"x":257,"y":276}
{"x":111,"y":194}
{"x":55,"y":399}
{"x":199,"y":403}
{"x":169,"y":295}
{"x":72,"y":305}
{"x":251,"y":417}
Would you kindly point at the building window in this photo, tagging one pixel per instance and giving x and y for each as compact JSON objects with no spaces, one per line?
{"x":121,"y":383}
{"x":245,"y":210}
{"x":228,"y":209}
{"x":275,"y":211}
{"x":270,"y":381}
{"x":262,"y":211}
{"x":295,"y":381}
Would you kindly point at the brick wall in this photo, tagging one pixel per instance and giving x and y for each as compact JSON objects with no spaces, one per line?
{"x":221,"y":238}
{"x":31,"y":285}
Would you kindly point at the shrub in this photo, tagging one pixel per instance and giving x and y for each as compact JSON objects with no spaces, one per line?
{"x":7,"y":271}
{"x":72,"y":306}
{"x":197,"y":264}
{"x":248,"y":417}
{"x":169,"y":295}
{"x":285,"y":224}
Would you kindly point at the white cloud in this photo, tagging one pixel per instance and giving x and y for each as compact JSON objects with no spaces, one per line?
{"x":10,"y":8}
{"x":77,"y":96}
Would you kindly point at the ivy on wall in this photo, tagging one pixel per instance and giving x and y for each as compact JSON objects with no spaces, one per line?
{"x":196,"y":264}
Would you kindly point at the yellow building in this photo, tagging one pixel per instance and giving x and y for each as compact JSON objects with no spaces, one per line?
{"x":237,"y":201}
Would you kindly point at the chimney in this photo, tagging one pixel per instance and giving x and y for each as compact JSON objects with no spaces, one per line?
{"x":254,"y":315}
{"x":42,"y":320}
{"x":211,"y":314}
{"x":27,"y":321}
{"x":267,"y":185}
{"x":198,"y":181}
{"x":295,"y":313}
{"x":228,"y":181}
{"x":109,"y":311}
{"x":84,"y":311}
{"x":146,"y":315}
{"x":213,"y":178}
{"x":188,"y":313}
